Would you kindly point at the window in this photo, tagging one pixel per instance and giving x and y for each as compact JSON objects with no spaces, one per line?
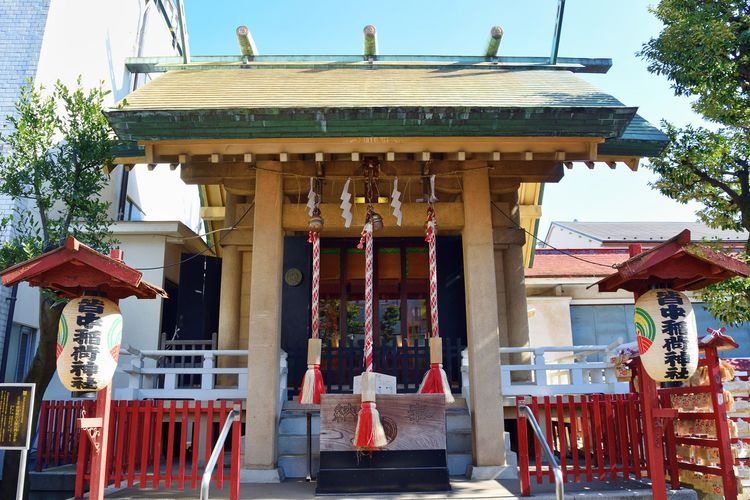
{"x":132,"y":211}
{"x":21,"y":348}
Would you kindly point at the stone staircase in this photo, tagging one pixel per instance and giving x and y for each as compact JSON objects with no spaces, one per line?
{"x":293,"y":441}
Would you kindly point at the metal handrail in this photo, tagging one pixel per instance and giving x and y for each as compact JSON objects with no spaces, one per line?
{"x":556,"y":470}
{"x":206,"y":480}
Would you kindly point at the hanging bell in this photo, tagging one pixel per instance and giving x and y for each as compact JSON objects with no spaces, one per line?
{"x":377,"y":221}
{"x":315,"y":224}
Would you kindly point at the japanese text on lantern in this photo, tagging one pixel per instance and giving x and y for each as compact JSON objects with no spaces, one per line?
{"x":87,"y":340}
{"x":675,"y":331}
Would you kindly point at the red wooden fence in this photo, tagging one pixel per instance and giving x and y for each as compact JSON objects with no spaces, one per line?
{"x":58,"y":435}
{"x":151,"y":443}
{"x":594,"y":436}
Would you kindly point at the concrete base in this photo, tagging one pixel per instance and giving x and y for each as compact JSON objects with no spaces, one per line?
{"x":486,"y":472}
{"x":261,"y":475}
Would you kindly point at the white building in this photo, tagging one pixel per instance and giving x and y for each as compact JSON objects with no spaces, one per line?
{"x":561,"y":287}
{"x":50,"y":40}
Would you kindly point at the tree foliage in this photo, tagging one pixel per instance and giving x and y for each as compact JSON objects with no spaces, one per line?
{"x":704,"y":51}
{"x":52,"y":168}
{"x":712,"y":167}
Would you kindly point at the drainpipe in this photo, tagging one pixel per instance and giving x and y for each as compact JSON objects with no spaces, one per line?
{"x":8,"y":329}
{"x":558,"y":31}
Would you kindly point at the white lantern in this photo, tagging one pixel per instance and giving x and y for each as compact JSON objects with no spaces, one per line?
{"x":88,"y":343}
{"x":667,"y":335}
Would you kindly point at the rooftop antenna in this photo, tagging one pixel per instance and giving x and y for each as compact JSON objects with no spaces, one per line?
{"x":558,"y":30}
{"x":371,"y":41}
{"x":493,"y":44}
{"x":247,"y":44}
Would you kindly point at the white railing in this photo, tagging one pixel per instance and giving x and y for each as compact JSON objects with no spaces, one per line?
{"x":570,"y":373}
{"x":190,"y":374}
{"x":162,"y":374}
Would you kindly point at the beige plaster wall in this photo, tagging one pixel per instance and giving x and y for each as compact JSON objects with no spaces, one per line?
{"x":550,"y":323}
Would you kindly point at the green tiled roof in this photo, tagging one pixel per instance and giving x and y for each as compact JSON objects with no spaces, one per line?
{"x":363,"y":88}
{"x":361,"y":101}
{"x":639,"y":139}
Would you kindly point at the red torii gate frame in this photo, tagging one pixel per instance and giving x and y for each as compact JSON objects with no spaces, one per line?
{"x":69,"y":271}
{"x":680,"y":265}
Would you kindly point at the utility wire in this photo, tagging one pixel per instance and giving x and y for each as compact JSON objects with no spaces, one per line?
{"x":227,"y":230}
{"x":611,"y":266}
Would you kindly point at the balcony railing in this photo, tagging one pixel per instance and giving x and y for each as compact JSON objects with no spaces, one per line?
{"x":192,"y":374}
{"x":214,"y":374}
{"x":571,"y":372}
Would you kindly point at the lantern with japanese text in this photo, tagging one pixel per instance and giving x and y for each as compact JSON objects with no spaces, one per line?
{"x":88,"y":343}
{"x":667,"y":335}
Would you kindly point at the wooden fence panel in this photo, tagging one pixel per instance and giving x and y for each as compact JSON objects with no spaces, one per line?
{"x":593,"y":436}
{"x":147,"y":445}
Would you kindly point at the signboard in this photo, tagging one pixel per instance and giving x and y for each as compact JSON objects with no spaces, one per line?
{"x":16,"y":405}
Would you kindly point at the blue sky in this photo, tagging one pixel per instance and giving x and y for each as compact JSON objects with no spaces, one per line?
{"x":592,"y":28}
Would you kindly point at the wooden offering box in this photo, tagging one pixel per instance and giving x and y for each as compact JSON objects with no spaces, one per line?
{"x":413,"y":460}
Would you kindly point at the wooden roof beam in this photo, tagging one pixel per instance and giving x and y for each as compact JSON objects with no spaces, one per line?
{"x":535,"y":171}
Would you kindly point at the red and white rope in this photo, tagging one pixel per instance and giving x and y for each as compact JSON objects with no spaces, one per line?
{"x":367,"y":233}
{"x":314,"y":238}
{"x":432,"y":255}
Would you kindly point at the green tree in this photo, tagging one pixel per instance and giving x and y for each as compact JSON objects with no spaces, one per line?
{"x":52,"y":166}
{"x":704,"y":51}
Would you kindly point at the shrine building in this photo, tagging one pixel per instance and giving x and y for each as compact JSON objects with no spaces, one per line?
{"x":476,"y":138}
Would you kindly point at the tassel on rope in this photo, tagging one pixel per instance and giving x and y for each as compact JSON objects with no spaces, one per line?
{"x":369,"y":434}
{"x":312,"y":382}
{"x":435,"y":380}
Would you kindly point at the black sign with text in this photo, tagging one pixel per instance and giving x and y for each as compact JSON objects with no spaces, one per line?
{"x":16,"y":404}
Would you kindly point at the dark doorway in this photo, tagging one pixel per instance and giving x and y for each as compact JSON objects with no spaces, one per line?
{"x":401,"y":321}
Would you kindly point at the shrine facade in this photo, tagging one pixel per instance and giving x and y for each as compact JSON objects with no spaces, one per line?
{"x":477,"y":138}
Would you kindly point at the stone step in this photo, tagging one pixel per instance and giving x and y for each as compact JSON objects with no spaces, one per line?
{"x":293,"y":444}
{"x":458,"y":441}
{"x":457,"y":463}
{"x":296,"y":423}
{"x":295,"y":465}
{"x":457,"y":420}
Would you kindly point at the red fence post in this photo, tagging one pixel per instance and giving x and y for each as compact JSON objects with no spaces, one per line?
{"x":523,"y":452}
{"x":234,"y":474}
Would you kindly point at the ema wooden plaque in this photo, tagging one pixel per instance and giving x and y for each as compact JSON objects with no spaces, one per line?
{"x":410,"y":421}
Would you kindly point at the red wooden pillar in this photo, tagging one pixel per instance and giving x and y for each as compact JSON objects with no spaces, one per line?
{"x":653,"y":429}
{"x":99,"y":465}
{"x":653,"y":434}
